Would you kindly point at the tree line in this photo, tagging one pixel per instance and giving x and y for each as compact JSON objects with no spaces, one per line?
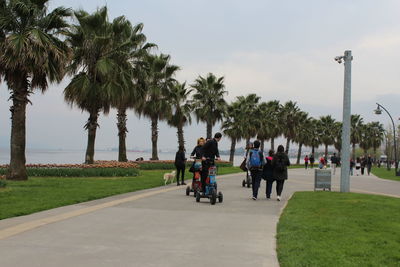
{"x":113,"y":66}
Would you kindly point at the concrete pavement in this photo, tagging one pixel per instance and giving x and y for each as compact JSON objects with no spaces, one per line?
{"x":162,"y":227}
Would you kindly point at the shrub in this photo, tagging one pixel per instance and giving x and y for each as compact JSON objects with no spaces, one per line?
{"x":79,"y":172}
{"x":169,"y":164}
{"x":3,"y":183}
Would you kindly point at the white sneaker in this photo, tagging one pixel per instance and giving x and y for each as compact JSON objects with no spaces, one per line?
{"x":254,"y":198}
{"x":278,"y":198}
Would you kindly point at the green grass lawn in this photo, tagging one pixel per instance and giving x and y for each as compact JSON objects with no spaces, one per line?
{"x":36,"y":194}
{"x":339,"y":229}
{"x":382,"y":172}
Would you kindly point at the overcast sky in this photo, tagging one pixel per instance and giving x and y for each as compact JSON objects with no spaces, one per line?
{"x":277,"y":49}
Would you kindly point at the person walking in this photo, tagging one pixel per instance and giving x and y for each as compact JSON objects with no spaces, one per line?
{"x":322,"y":163}
{"x":268,"y":174}
{"x":255,"y":163}
{"x":312,"y":160}
{"x":352,"y":164}
{"x":369,"y":164}
{"x":180,"y":164}
{"x":363,"y":162}
{"x":280,"y":163}
{"x":306,"y":159}
{"x":210,"y":153}
{"x":334,"y":163}
{"x":358,"y":166}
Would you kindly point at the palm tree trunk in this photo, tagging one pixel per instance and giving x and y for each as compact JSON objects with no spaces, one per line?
{"x":354,"y":151}
{"x":312,"y":150}
{"x":262,"y":144}
{"x":17,"y":169}
{"x":122,"y":130}
{"x":181,"y":140}
{"x":91,"y":127}
{"x":287,"y":145}
{"x":154,"y":138}
{"x":326,"y":150}
{"x":299,"y":153}
{"x":273,"y":143}
{"x":209,"y":130}
{"x":232,"y":152}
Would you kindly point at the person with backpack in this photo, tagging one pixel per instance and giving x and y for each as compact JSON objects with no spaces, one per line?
{"x":255,"y":163}
{"x":280,"y":163}
{"x":268,"y":173}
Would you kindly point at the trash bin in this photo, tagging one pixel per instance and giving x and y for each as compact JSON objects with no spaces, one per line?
{"x":322,"y":179}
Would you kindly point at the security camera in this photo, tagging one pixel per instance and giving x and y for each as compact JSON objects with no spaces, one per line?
{"x":338,"y":59}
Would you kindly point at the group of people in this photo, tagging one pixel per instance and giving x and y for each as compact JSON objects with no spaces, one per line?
{"x":361,"y":164}
{"x":323,"y":162}
{"x":206,"y":150}
{"x":272,"y":168}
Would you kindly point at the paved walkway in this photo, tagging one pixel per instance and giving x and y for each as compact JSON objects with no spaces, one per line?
{"x":162,"y":227}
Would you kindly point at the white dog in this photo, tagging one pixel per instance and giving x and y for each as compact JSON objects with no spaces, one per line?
{"x":169,"y":177}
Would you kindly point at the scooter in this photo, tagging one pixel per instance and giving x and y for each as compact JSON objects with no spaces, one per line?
{"x":211,"y":188}
{"x":196,"y":182}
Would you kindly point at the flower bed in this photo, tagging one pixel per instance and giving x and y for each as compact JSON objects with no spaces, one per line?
{"x":97,"y":165}
{"x":170,"y":164}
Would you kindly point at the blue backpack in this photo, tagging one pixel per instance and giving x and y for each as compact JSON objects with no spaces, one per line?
{"x":255,"y":159}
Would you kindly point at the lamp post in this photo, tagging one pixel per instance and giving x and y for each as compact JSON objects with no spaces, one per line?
{"x":345,"y":169}
{"x":378,"y":111}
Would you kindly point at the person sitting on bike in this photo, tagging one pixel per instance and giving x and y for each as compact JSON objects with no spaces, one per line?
{"x":210,"y":153}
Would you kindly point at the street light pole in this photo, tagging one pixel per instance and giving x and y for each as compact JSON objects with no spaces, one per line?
{"x":345,"y":169}
{"x":378,"y":112}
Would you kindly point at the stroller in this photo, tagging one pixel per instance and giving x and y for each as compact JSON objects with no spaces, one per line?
{"x":196,"y":182}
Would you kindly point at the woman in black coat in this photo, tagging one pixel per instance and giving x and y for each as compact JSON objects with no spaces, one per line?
{"x":180,"y":164}
{"x":268,"y":173}
{"x":280,"y":163}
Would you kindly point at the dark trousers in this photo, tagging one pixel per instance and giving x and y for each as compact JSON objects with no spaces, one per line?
{"x":180,"y":170}
{"x":306,"y":165}
{"x":255,"y":181}
{"x":279,"y":187}
{"x":362,"y":170}
{"x":204,"y":173}
{"x":369,"y":169}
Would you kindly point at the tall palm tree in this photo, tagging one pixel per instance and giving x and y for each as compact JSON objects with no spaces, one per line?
{"x":303,"y":133}
{"x":249,"y":115}
{"x":273,"y":121}
{"x":337,"y":133}
{"x":209,"y":102}
{"x":181,"y":109}
{"x":33,"y":53}
{"x":355,"y":134}
{"x":377,"y":135}
{"x":327,"y":127}
{"x":159,"y":77}
{"x":366,"y":135}
{"x":95,"y":53}
{"x":289,"y":117}
{"x":232,"y":126}
{"x":132,"y":46}
{"x":315,"y":136}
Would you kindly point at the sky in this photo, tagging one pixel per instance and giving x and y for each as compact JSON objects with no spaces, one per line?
{"x":277,"y":49}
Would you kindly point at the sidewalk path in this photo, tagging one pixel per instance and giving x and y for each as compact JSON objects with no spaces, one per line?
{"x":162,"y":227}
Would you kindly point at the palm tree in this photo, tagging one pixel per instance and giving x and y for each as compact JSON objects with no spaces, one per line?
{"x":377,"y":135}
{"x":315,"y":136}
{"x":209,"y":102}
{"x":327,"y":127}
{"x":355,"y":135}
{"x":273,"y":121}
{"x":181,"y":109}
{"x":337,"y":133}
{"x":130,"y":41}
{"x":95,"y":58}
{"x":303,"y":132}
{"x":366,"y":135}
{"x":249,"y":115}
{"x":159,"y":77}
{"x":33,"y":53}
{"x":232,"y":127}
{"x":289,"y":117}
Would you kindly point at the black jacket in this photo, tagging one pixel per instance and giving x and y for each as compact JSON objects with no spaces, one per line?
{"x":268,"y":170}
{"x":197,"y":152}
{"x":180,"y":159}
{"x":210,"y":149}
{"x":280,"y":174}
